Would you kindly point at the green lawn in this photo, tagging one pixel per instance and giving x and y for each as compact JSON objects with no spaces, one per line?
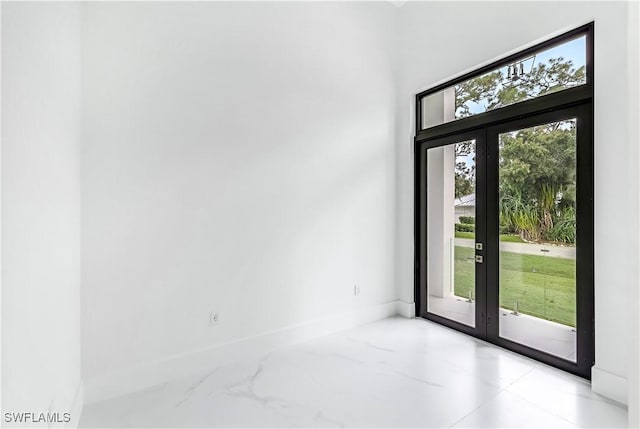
{"x":543,"y":286}
{"x":511,"y":238}
{"x":503,"y":237}
{"x":460,"y":234}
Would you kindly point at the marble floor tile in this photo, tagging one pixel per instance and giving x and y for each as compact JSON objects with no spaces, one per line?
{"x":509,"y":411}
{"x":392,"y":373}
{"x":570,"y":397}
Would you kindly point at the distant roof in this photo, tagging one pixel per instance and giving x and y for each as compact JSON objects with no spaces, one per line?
{"x":466,"y":201}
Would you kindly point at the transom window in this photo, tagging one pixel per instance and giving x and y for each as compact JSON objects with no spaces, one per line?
{"x":524,"y":77}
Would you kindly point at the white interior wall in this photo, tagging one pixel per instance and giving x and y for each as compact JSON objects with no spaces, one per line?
{"x":41,"y":73}
{"x":178,"y":187}
{"x":437,"y":42}
{"x":633,"y":112}
{"x":238,"y":158}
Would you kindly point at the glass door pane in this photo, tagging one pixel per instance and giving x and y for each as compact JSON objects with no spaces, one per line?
{"x":451,"y":226}
{"x":537,"y":236}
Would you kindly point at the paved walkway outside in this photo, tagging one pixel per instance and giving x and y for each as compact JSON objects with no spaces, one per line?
{"x":527,"y":248}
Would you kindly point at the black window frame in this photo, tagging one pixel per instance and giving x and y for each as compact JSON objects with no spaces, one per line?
{"x":579,"y":99}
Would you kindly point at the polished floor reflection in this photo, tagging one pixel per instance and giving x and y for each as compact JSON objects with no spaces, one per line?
{"x":392,"y":373}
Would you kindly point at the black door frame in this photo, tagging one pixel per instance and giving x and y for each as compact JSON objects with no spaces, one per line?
{"x":584,"y":238}
{"x":484,"y":128}
{"x":479,"y":330}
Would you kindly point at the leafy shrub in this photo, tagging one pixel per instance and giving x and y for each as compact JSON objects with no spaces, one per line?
{"x":468,"y":220}
{"x":526,"y":221}
{"x":521,"y":216}
{"x":564,"y":231}
{"x":506,"y":229}
{"x":465,"y":227}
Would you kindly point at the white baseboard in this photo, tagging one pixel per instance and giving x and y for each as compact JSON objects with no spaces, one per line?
{"x":143,"y":376}
{"x":608,"y":384}
{"x":406,"y":309}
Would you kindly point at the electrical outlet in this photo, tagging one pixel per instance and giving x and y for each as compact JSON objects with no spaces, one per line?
{"x":213,"y":318}
{"x":356,"y":290}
